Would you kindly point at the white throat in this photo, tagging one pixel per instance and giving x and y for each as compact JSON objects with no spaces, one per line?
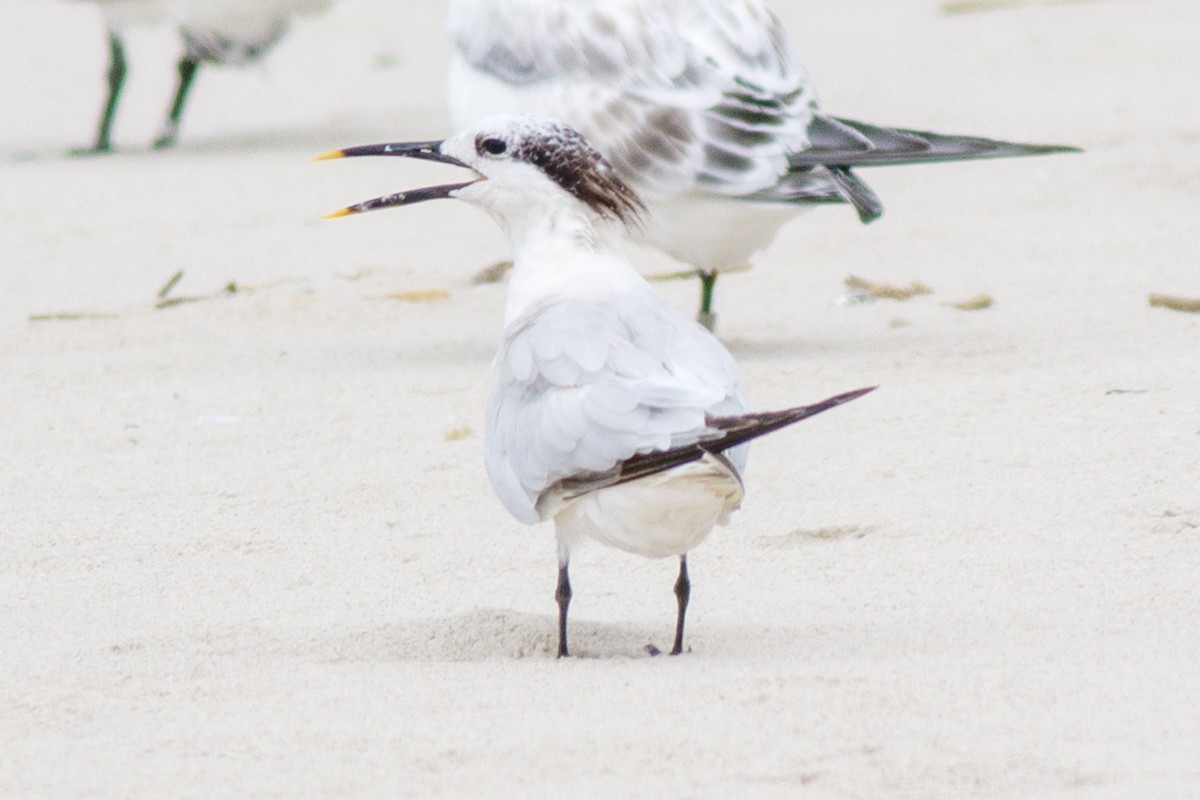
{"x":562,"y":249}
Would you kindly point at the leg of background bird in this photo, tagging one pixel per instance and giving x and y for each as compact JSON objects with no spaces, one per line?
{"x":116,"y":80}
{"x":683,"y":591}
{"x":708,"y":280}
{"x":187,"y":74}
{"x":563,"y":595}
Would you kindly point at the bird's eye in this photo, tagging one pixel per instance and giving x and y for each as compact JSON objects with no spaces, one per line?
{"x":492,"y":146}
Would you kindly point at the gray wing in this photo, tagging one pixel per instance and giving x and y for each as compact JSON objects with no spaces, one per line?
{"x":842,"y":142}
{"x":676,"y":93}
{"x":823,"y":184}
{"x":821,"y":172}
{"x":119,"y":16}
{"x":236,"y":32}
{"x":581,"y":387}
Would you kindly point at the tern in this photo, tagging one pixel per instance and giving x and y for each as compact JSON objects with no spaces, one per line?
{"x":610,"y":412}
{"x":702,"y":106}
{"x":213,"y":31}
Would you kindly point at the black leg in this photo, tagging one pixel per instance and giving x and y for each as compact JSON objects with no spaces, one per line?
{"x":563,"y":595}
{"x":187,"y":74}
{"x":708,"y":281}
{"x":117,"y":68}
{"x":683,"y":591}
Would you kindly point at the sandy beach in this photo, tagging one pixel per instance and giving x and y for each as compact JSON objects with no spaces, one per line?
{"x":249,"y":548}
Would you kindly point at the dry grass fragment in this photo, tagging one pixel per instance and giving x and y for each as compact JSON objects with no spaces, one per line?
{"x":170,"y":284}
{"x":887,"y":291}
{"x":457,"y":433}
{"x":70,"y":316}
{"x":418,"y":295}
{"x":1188,"y":304}
{"x":169,"y":302}
{"x":976,"y":303}
{"x":971,"y":6}
{"x":493,"y":274}
{"x":685,"y":274}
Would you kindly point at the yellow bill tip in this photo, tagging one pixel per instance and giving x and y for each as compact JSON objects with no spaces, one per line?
{"x":329,"y":155}
{"x":341,"y":212}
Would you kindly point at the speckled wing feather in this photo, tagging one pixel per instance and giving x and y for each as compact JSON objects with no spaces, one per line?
{"x":581,"y":387}
{"x":120,"y":14}
{"x":676,"y":93}
{"x":235,"y":31}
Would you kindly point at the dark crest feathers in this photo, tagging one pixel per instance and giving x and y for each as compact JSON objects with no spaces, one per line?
{"x":569,"y":160}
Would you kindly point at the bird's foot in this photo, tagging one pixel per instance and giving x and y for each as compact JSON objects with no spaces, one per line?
{"x":651,"y":650}
{"x":94,"y":150}
{"x":166,"y":137}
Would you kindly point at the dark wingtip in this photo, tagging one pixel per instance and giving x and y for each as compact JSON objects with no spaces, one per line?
{"x":737,"y":430}
{"x":846,"y":397}
{"x":1062,"y":148}
{"x":1005,"y":149}
{"x":865,"y":201}
{"x":836,"y":141}
{"x":833,"y":402}
{"x":745,"y":427}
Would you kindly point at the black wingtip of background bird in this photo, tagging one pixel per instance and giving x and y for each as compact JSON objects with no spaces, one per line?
{"x":838,"y":142}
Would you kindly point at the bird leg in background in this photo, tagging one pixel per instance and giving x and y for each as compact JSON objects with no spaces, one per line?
{"x":708,"y":281}
{"x":683,"y":591}
{"x":563,"y":595}
{"x":117,"y":68}
{"x":170,"y":130}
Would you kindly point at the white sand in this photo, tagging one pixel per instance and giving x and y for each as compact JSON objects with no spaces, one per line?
{"x":247,"y":553}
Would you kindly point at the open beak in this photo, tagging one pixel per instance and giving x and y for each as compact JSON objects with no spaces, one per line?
{"x":426,"y":151}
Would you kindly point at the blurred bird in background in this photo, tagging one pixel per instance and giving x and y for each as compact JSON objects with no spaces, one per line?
{"x":701,"y":105}
{"x":213,"y":32}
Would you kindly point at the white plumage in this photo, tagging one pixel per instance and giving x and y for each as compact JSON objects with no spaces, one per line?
{"x":701,"y":105}
{"x":581,"y":385}
{"x":610,"y":412}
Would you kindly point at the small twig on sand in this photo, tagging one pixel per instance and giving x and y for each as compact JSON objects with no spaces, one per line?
{"x":976,"y":303}
{"x":968,"y":6}
{"x":71,"y":316}
{"x":417,"y":295}
{"x":886,"y":290}
{"x":493,"y":274}
{"x":1174,"y":303}
{"x":170,"y":284}
{"x":230,"y":288}
{"x":684,"y":274}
